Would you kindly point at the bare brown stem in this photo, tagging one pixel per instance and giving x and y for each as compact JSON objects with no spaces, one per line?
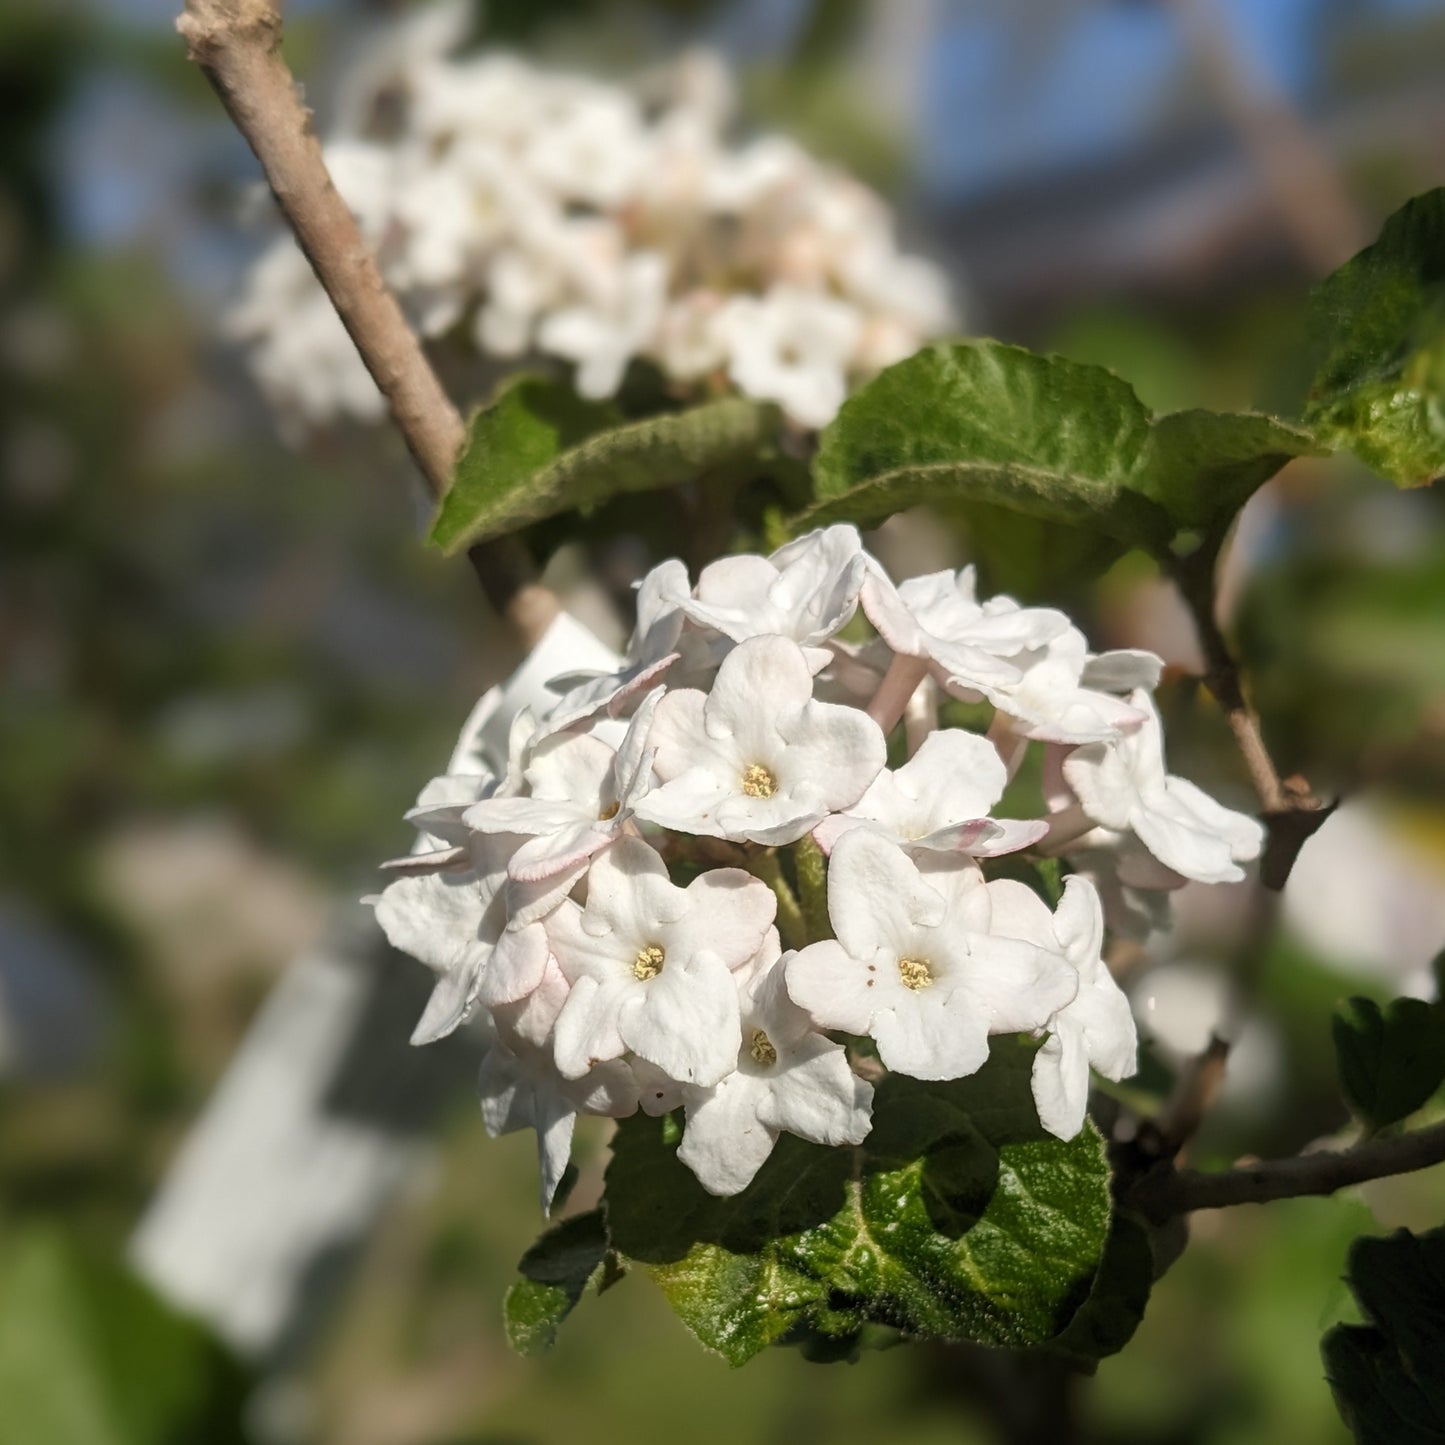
{"x":236,"y":43}
{"x":1172,"y":1192}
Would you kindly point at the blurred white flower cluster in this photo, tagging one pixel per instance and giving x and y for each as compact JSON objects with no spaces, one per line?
{"x":547,"y":213}
{"x":605,"y":876}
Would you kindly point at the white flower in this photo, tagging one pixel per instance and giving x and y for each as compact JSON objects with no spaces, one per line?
{"x":652,"y":651}
{"x":582,"y":793}
{"x":793,"y":347}
{"x":603,"y":337}
{"x":788,"y":1078}
{"x":807,"y":590}
{"x":915,"y":966}
{"x":939,"y":618}
{"x":450,"y":920}
{"x":1096,"y":1029}
{"x":1123,"y":786}
{"x":1049,"y":700}
{"x":939,"y":801}
{"x":650,"y":964}
{"x":520,"y":1088}
{"x":758,"y":758}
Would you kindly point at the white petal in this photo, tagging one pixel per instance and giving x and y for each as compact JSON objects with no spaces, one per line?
{"x":686,"y":1020}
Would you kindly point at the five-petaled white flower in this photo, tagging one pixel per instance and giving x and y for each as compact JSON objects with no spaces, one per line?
{"x":1123,"y":786}
{"x":915,"y":966}
{"x":939,"y":801}
{"x":789,"y":1077}
{"x":758,"y":759}
{"x":1096,"y":1029}
{"x":650,"y":964}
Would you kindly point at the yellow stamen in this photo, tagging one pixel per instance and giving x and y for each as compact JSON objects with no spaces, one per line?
{"x":762,"y":1050}
{"x":758,"y":782}
{"x":915,"y":973}
{"x":648,"y":963}
{"x":609,"y":812}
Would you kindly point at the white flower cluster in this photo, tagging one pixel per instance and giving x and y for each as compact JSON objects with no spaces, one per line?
{"x":549,"y":213}
{"x":606,"y":886}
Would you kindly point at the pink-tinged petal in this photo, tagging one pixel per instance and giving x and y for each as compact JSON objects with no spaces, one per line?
{"x":414,"y":865}
{"x":685,"y":1020}
{"x":930,"y":1042}
{"x":526,"y":1026}
{"x":988,"y":837}
{"x":887,"y":611}
{"x":631,"y":773}
{"x":827,"y":833}
{"x":724,"y":1142}
{"x":837,"y":990}
{"x":517,"y":965}
{"x":586,"y":1031}
{"x":876,"y":896}
{"x":1061,"y":1083}
{"x":534,"y":902}
{"x":729,"y":913}
{"x":564,"y":851}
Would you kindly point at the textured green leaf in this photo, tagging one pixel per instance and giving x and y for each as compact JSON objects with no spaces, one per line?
{"x":1391,"y":1060}
{"x":88,"y":1356}
{"x":1378,"y":340}
{"x":539,"y":449}
{"x":979,"y":423}
{"x":1388,"y":1375}
{"x":1106,"y":1321}
{"x":555,"y":1271}
{"x":958,"y":1219}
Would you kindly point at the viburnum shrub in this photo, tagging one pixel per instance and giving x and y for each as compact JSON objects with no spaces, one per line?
{"x":816,"y":889}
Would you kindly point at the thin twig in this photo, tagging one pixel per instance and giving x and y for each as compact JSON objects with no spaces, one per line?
{"x":1292,"y":814}
{"x":236,"y":43}
{"x":1172,"y":1192}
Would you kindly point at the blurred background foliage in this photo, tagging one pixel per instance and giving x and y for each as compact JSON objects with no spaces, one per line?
{"x":226,"y":665}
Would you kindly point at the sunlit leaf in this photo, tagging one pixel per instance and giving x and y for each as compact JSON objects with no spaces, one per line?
{"x":540,"y":449}
{"x":1378,"y":337}
{"x":979,"y":423}
{"x":959,"y":1219}
{"x":555,"y":1271}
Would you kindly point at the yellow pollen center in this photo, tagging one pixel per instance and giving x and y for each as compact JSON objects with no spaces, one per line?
{"x":915,"y":973}
{"x":762,"y":1050}
{"x":758,"y":782}
{"x":609,"y":812}
{"x":648,"y":963}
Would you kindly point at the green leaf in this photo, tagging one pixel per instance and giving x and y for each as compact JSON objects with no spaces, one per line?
{"x":1106,"y":1321}
{"x":1388,"y":1375}
{"x":88,"y":1356}
{"x":555,"y":1271}
{"x":979,"y":423}
{"x":1392,"y":1060}
{"x":539,"y":449}
{"x":959,"y":1218}
{"x":1377,"y":328}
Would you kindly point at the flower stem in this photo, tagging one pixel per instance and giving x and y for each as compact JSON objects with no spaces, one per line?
{"x":768,"y":866}
{"x":812,"y":870}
